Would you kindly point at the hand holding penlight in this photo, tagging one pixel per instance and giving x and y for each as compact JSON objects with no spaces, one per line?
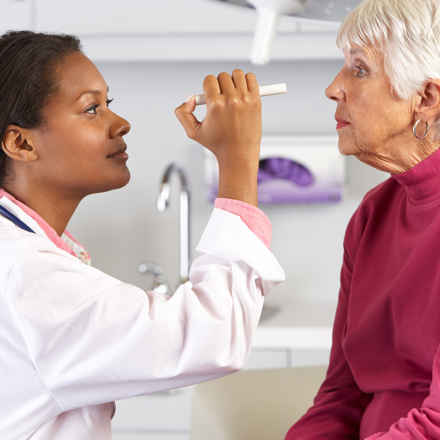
{"x":272,"y":89}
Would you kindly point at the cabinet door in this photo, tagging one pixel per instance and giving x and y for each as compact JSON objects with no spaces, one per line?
{"x":15,"y":15}
{"x":148,"y":436}
{"x":85,"y":17}
{"x":263,"y":359}
{"x":318,"y":26}
{"x":166,"y":412}
{"x":307,"y":358}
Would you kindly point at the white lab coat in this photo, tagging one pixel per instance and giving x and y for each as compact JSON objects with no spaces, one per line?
{"x":73,"y":339}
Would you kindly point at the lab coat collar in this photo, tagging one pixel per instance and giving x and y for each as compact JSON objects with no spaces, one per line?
{"x":27,"y":215}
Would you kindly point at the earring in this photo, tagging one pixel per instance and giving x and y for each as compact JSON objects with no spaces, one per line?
{"x":427,"y":127}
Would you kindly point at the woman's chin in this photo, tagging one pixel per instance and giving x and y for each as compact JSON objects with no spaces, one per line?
{"x":346,"y":149}
{"x":122,"y":180}
{"x":347,"y":144}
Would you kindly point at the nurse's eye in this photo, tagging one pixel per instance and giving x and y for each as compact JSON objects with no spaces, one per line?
{"x":94,"y":107}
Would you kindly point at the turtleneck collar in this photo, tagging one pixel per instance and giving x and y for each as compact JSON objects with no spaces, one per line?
{"x":422,"y":182}
{"x":41,"y":227}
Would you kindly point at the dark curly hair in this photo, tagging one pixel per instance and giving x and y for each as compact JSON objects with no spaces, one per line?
{"x":27,"y":78}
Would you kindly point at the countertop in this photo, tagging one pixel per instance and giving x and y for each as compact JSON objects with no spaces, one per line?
{"x":298,"y":326}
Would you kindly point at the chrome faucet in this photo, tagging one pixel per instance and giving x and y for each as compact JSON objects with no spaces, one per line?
{"x":163,"y":201}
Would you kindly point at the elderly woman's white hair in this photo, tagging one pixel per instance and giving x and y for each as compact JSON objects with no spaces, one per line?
{"x":408,"y":34}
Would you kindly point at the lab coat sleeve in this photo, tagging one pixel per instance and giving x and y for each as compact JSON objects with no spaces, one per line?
{"x":420,"y":423}
{"x":95,"y":339}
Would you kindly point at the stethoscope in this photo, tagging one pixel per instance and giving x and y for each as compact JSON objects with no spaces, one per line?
{"x":5,"y":213}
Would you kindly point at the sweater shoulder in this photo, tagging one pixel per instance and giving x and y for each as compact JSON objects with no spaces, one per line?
{"x":383,"y":189}
{"x":375,"y":201}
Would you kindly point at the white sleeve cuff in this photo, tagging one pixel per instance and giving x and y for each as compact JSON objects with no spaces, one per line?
{"x":227,"y":236}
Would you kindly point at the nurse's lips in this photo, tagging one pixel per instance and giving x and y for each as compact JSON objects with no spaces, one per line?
{"x":120,"y":153}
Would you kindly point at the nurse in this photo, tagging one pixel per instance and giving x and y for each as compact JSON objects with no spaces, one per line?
{"x":72,"y":338}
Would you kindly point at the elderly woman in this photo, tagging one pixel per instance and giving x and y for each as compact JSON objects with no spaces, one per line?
{"x":383,"y":380}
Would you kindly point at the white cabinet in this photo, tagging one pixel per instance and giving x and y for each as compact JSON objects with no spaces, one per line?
{"x":167,"y":416}
{"x":15,"y":15}
{"x":160,"y":18}
{"x":260,"y":359}
{"x":167,"y":30}
{"x":317,"y":26}
{"x":142,"y":17}
{"x":146,"y":436}
{"x":176,"y":30}
{"x":156,"y":412}
{"x":169,"y":413}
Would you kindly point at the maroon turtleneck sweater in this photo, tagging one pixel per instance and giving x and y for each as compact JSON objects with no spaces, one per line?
{"x":383,"y":380}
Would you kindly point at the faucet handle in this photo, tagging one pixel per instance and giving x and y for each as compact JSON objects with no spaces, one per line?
{"x":160,"y":284}
{"x":152,"y":268}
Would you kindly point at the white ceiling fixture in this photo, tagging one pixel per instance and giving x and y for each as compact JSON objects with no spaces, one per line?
{"x":269,"y":12}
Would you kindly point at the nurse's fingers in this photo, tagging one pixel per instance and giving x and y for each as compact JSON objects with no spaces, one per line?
{"x":186,"y":118}
{"x":211,"y":88}
{"x":252,"y":83}
{"x":227,"y":86}
{"x":240,"y":82}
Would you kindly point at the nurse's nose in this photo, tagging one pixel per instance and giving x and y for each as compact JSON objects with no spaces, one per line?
{"x":335,"y":91}
{"x":120,"y":127}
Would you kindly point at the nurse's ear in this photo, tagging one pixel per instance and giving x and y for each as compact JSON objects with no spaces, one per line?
{"x":17,"y":144}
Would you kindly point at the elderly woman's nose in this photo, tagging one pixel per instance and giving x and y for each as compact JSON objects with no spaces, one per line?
{"x":335,"y":90}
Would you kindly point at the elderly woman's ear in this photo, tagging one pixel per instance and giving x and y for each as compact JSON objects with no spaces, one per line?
{"x":427,"y":107}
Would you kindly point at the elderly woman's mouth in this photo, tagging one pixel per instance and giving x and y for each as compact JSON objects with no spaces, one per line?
{"x":341,"y":124}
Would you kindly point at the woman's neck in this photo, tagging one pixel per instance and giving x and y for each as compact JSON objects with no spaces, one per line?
{"x":396,"y":159}
{"x":54,"y":208}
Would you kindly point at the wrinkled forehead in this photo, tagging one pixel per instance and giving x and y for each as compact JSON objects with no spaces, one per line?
{"x":364,"y":32}
{"x":370,"y":54}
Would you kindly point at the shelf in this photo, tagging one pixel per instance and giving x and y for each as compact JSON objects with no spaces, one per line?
{"x":196,"y":30}
{"x":206,"y":47}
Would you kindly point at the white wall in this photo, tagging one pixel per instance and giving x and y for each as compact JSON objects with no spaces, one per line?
{"x":122,"y":228}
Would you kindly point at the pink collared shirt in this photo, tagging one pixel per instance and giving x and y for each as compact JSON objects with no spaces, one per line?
{"x":255,"y":218}
{"x":252,"y":216}
{"x":66,"y":242}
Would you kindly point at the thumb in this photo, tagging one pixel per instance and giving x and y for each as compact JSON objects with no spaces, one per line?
{"x":186,"y":117}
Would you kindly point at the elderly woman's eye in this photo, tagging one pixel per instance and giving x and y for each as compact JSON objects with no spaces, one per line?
{"x":360,"y":71}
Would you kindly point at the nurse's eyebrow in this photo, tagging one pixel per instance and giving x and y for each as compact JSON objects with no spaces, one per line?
{"x":96,"y":92}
